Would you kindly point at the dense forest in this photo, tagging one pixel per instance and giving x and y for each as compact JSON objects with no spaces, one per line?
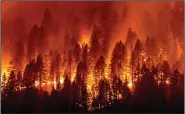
{"x":88,"y":76}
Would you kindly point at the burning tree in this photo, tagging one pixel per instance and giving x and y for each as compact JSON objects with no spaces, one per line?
{"x":29,"y":76}
{"x":117,"y":60}
{"x":99,"y":72}
{"x":40,"y":70}
{"x":104,"y":96}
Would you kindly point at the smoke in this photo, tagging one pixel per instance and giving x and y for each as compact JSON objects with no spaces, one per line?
{"x":145,"y":18}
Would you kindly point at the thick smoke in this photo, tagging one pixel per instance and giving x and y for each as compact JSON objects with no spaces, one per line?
{"x":145,"y":18}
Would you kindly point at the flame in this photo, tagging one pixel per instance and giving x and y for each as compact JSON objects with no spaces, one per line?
{"x":120,"y":96}
{"x":73,"y":74}
{"x":85,"y":38}
{"x":130,"y":85}
{"x":62,"y":80}
{"x":36,"y":83}
{"x":167,"y":82}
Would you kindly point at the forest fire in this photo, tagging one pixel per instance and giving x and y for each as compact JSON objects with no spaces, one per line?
{"x":77,"y":61}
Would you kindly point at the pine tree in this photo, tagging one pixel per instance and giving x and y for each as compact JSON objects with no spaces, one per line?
{"x":166,"y":71}
{"x":3,"y":84}
{"x":118,"y":59}
{"x":130,"y":39}
{"x":99,"y":71}
{"x":47,"y":20}
{"x":145,"y":97}
{"x":19,"y":80}
{"x":29,"y":76}
{"x":104,"y":96}
{"x":95,"y":42}
{"x":77,"y":53}
{"x":40,"y":70}
{"x":67,"y":93}
{"x":31,"y":42}
{"x":11,"y":84}
{"x":117,"y":87}
{"x":85,"y":53}
{"x":99,"y":68}
{"x":138,"y":50}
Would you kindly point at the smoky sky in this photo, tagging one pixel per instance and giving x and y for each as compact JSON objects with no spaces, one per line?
{"x":146,"y":18}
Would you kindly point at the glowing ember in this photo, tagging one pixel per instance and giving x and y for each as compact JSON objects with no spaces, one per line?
{"x":167,"y":82}
{"x":130,"y":85}
{"x":120,"y":96}
{"x":36,"y":83}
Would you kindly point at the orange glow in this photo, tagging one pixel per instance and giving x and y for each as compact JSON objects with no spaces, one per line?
{"x":36,"y":83}
{"x":4,"y":68}
{"x":62,"y":80}
{"x":167,"y":82}
{"x":85,"y":38}
{"x":120,"y":62}
{"x":130,"y":85}
{"x":120,"y":96}
{"x":73,"y":74}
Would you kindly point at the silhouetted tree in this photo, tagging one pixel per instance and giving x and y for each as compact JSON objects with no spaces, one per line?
{"x":99,"y":70}
{"x":4,"y":86}
{"x":47,"y":22}
{"x":19,"y":80}
{"x":130,"y":39}
{"x":55,"y":100}
{"x":95,"y":42}
{"x":29,"y":76}
{"x":138,"y":50}
{"x":30,"y":100}
{"x":40,"y":69}
{"x":11,"y":84}
{"x":177,"y":96}
{"x":104,"y":96}
{"x":166,"y":72}
{"x":4,"y":79}
{"x":85,"y":53}
{"x":77,"y":53}
{"x":67,"y":94}
{"x":151,"y":51}
{"x":84,"y":97}
{"x":117,"y":59}
{"x":117,"y":85}
{"x":31,"y":43}
{"x":11,"y":98}
{"x":75,"y":93}
{"x":145,"y":97}
{"x":175,"y":81}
